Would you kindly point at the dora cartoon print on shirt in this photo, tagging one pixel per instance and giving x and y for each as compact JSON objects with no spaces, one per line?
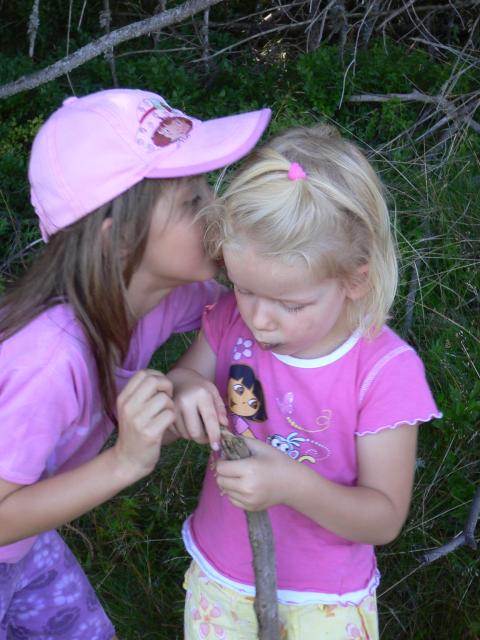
{"x":160,"y":124}
{"x":246,"y":402}
{"x":245,"y":399}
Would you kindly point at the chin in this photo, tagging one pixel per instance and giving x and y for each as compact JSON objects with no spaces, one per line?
{"x":209,"y":272}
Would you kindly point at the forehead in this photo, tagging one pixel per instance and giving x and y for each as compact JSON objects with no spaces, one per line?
{"x":269,"y":277}
{"x":185,"y":186}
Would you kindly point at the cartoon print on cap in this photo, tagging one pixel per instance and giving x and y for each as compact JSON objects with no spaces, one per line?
{"x":160,"y":125}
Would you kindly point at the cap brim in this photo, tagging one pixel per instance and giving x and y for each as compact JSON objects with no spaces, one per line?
{"x":213,"y":144}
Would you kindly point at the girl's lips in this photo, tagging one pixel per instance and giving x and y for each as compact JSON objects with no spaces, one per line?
{"x":268,"y":346}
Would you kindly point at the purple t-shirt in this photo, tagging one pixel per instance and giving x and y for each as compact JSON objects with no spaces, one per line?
{"x":51,"y":414}
{"x":313,"y":410}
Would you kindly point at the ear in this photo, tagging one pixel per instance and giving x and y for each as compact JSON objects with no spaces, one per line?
{"x":105,"y":233}
{"x":106,"y":225}
{"x":358,"y":283}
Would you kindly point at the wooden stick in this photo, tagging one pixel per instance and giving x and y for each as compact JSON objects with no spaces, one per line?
{"x":263,"y":549}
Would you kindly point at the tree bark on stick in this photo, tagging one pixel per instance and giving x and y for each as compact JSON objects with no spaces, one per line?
{"x":263,"y":550}
{"x":106,"y":43}
{"x":466,"y":537}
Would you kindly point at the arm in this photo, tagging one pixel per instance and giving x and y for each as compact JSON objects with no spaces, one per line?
{"x":145,"y":412}
{"x":372,"y":512}
{"x":199,"y":407}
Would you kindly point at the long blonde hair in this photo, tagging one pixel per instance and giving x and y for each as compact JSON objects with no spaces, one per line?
{"x":336,"y":218}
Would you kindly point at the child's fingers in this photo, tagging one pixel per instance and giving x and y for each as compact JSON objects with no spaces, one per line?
{"x":222,"y":417}
{"x":180,"y":427}
{"x":191,"y":425}
{"x":211,"y":424}
{"x":160,"y":423}
{"x":226,"y":469}
{"x":144,"y":384}
{"x":155,"y":405}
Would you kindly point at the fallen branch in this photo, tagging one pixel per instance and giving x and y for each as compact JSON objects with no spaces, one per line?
{"x":462,"y":112}
{"x":33,"y":24}
{"x":261,"y":540}
{"x":105,"y":44}
{"x":467,"y":537}
{"x":105,"y":22}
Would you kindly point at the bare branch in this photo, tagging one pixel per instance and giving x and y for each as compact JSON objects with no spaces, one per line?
{"x":205,"y":40}
{"x":103,"y":44}
{"x":462,"y":112}
{"x":263,"y":551}
{"x":467,"y":537}
{"x":105,"y":22}
{"x":33,"y":24}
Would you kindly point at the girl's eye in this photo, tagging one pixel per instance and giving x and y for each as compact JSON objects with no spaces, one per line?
{"x":196,"y":201}
{"x":294,"y":308}
{"x":242,"y":292}
{"x":239,"y":389}
{"x":253,"y":403}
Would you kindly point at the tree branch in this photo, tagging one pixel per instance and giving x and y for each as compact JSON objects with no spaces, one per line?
{"x":106,"y":43}
{"x":467,"y":537}
{"x":33,"y":24}
{"x":263,"y":550}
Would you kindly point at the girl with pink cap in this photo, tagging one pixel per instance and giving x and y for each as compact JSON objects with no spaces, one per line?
{"x":116,"y":180}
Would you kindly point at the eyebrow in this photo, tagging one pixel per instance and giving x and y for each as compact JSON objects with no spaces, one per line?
{"x":297,"y":301}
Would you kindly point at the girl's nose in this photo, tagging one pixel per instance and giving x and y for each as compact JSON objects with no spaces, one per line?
{"x":262,"y":319}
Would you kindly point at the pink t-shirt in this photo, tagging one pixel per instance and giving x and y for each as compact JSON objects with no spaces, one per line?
{"x":51,"y":415}
{"x":313,"y":410}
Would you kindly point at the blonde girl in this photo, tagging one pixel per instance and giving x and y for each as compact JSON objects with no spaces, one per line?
{"x":305,"y":236}
{"x":123,"y":269}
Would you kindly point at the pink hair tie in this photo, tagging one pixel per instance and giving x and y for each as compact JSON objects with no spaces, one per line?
{"x":296,"y":172}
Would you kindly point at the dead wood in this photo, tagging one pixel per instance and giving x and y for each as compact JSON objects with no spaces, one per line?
{"x":263,"y":550}
{"x":105,"y":44}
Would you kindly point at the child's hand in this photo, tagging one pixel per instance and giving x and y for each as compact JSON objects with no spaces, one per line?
{"x":145,"y":412}
{"x":258,"y":482}
{"x":199,"y":407}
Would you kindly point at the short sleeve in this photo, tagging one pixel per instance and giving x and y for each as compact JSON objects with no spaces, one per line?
{"x":395,"y":392}
{"x":217,"y":319}
{"x":195,"y":298}
{"x":37,"y":404}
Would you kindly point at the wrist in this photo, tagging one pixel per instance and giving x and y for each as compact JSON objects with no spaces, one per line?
{"x":291,"y":481}
{"x":124,"y":470}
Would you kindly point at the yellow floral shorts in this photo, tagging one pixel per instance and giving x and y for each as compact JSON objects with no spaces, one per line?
{"x":215,"y":612}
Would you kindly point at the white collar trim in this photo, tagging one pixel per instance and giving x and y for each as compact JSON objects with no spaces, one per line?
{"x":313,"y":363}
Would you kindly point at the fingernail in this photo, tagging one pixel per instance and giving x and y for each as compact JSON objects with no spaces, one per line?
{"x":215,"y":446}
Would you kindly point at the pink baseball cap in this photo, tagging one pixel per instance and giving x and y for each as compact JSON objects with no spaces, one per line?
{"x":94,"y":148}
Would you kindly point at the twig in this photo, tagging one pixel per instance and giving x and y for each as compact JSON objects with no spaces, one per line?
{"x":160,"y":8}
{"x":263,"y":550}
{"x":467,"y":537}
{"x":20,"y":254}
{"x":255,"y":35}
{"x":463,"y":112}
{"x":113,"y":39}
{"x":317,"y":37}
{"x":105,"y":22}
{"x":33,"y":24}
{"x":392,"y":15}
{"x":205,"y":40}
